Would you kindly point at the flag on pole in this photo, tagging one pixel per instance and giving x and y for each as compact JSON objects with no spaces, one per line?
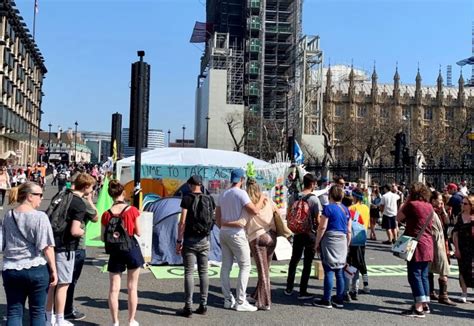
{"x":36,"y":6}
{"x":115,"y":154}
{"x":298,"y":154}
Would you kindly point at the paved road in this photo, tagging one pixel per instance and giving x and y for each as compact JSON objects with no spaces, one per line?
{"x":160,"y":298}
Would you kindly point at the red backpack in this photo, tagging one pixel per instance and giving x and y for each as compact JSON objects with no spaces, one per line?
{"x":299,"y":216}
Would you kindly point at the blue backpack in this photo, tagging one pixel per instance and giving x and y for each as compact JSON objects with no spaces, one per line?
{"x":359,"y":233}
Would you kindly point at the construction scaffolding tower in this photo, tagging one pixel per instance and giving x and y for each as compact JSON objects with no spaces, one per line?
{"x":309,"y":87}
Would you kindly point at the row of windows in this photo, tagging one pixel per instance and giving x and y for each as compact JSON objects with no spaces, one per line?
{"x":12,"y":120}
{"x":8,"y":89}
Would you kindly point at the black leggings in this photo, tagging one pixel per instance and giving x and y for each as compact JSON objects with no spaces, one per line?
{"x":301,"y":243}
{"x":3,"y":192}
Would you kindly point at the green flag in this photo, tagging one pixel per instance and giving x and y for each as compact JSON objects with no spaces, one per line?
{"x":93,"y":230}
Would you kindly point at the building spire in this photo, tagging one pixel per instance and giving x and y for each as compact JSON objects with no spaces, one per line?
{"x":440,"y":79}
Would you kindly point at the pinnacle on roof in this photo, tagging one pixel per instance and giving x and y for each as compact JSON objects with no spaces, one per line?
{"x":396,"y":76}
{"x":440,"y":77}
{"x":374,"y":73}
{"x":461,"y":79}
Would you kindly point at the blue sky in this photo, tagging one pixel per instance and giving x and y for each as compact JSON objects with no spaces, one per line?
{"x":89,"y":45}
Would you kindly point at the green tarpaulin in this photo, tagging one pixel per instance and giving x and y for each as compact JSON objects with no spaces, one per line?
{"x":104,"y":202}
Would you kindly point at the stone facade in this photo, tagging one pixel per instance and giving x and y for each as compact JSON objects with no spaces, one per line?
{"x":361,"y":115}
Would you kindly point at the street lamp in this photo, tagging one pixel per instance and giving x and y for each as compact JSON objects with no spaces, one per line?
{"x":184,"y":130}
{"x":207,"y":131}
{"x":49,"y":140}
{"x":75,"y":143}
{"x":169,"y":135}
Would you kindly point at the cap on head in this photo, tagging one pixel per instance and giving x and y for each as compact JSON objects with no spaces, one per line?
{"x":452,"y":186}
{"x":195,"y":180}
{"x":236,"y":175}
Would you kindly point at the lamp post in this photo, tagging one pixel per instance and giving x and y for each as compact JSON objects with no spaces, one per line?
{"x":207,"y":131}
{"x":49,"y":140}
{"x":184,"y":130}
{"x":75,"y":143}
{"x":169,"y":135}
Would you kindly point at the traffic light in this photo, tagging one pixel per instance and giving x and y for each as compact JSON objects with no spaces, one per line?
{"x":399,"y":145}
{"x":406,"y":156}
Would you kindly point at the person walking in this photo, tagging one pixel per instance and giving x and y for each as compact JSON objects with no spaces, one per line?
{"x":360,"y":217}
{"x":261,"y":233}
{"x":119,"y":261}
{"x":304,"y":242}
{"x":233,"y":239}
{"x":67,"y":241}
{"x":4,"y":184}
{"x":375,"y":201}
{"x":440,"y":264}
{"x":195,"y":225}
{"x":389,"y":208}
{"x":28,"y":252}
{"x":463,"y":238}
{"x":418,"y":213}
{"x":333,"y":239}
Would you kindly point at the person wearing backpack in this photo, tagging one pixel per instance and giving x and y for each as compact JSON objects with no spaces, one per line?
{"x":119,"y":227}
{"x":66,"y":213}
{"x":360,"y":216}
{"x":302,"y":219}
{"x":195,"y":225}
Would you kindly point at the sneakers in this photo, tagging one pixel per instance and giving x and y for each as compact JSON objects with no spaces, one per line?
{"x":426,"y":309}
{"x":388,"y":242}
{"x":347,"y":298}
{"x":63,"y":323}
{"x":75,"y":315}
{"x":365,"y":290}
{"x":202,"y":310}
{"x":185,"y":312}
{"x":229,"y":304}
{"x":337,"y":303}
{"x":305,"y":296}
{"x":463,"y":298}
{"x":247,"y":307}
{"x":288,"y":292}
{"x":353,"y":295}
{"x":133,"y":323}
{"x":264,"y":308}
{"x":322,"y":304}
{"x":412,"y":312}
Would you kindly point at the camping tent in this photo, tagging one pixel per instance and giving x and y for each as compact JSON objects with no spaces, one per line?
{"x":166,"y":212}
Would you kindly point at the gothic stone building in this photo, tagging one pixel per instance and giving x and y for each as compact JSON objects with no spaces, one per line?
{"x":361,"y":116}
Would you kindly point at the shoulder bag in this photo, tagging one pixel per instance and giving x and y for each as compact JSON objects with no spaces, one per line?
{"x":405,"y":246}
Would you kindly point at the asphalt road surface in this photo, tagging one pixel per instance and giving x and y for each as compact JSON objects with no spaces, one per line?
{"x":160,"y":298}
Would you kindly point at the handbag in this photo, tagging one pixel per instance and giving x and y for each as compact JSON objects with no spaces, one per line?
{"x":359,"y":233}
{"x":405,"y":246}
{"x":281,"y":229}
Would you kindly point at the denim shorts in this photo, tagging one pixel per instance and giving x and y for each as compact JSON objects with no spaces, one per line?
{"x":132,"y":259}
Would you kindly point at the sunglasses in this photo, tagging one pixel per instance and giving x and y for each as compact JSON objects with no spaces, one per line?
{"x":37,"y":194}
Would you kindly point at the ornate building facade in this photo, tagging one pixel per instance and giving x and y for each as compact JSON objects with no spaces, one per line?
{"x":22,"y":71}
{"x":363,"y":116}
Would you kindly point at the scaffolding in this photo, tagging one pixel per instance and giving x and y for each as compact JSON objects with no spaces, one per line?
{"x":309,"y":87}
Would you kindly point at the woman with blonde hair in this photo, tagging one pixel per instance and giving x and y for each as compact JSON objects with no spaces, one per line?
{"x":28,"y":249}
{"x":261,"y":233}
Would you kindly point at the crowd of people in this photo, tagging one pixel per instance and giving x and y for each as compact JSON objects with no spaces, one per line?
{"x":44,"y":252}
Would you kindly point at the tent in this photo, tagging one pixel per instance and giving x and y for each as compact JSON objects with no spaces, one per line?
{"x":166,"y":213}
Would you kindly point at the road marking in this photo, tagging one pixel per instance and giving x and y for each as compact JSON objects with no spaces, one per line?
{"x":177,"y":272}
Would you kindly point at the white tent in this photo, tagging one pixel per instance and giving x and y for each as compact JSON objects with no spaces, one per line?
{"x":193,"y":156}
{"x":180,"y":163}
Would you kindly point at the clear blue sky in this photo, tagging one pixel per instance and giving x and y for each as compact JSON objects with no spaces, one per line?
{"x":89,"y":45}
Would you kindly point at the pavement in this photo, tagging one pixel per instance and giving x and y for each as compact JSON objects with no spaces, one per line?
{"x":160,"y":298}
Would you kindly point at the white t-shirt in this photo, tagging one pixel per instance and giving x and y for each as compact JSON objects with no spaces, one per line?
{"x":389,"y":202}
{"x":231,"y":203}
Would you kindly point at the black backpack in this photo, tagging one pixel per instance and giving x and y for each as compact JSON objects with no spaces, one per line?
{"x":116,"y":237}
{"x":203,"y":209}
{"x":57,"y":213}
